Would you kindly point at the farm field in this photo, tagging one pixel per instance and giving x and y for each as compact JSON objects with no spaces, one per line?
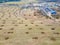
{"x":27,"y":27}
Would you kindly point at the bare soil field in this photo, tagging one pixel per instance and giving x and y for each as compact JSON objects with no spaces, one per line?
{"x":27,"y":27}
